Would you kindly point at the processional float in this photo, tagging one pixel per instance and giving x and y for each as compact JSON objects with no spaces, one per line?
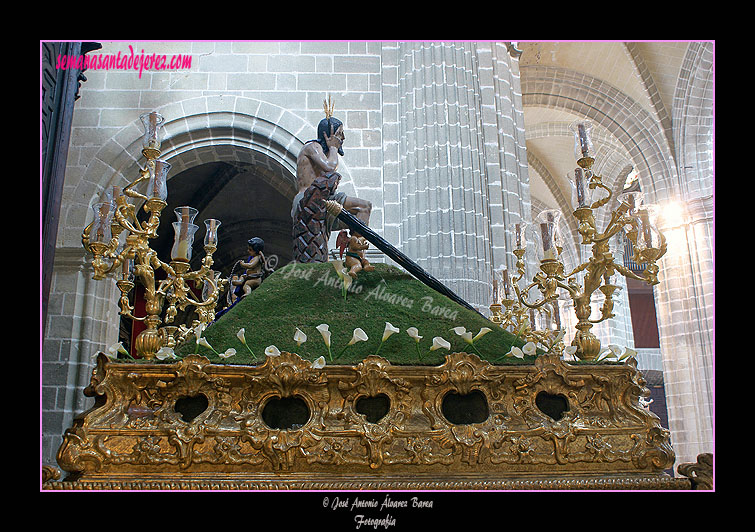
{"x":196,"y":424}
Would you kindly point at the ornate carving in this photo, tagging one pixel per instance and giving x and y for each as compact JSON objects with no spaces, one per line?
{"x":482,"y":481}
{"x":465,"y":422}
{"x":700,"y":473}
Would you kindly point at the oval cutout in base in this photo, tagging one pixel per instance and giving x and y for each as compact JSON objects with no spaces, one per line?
{"x":285,"y":413}
{"x":373,"y":408}
{"x":465,"y":409}
{"x":552,"y":405}
{"x":191,"y":406}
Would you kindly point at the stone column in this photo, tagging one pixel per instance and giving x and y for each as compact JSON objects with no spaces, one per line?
{"x":461,"y":143}
{"x":684,"y":301}
{"x":82,"y":320}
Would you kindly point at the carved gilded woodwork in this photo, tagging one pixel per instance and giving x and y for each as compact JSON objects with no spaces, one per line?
{"x":463,"y":424}
{"x":700,"y":473}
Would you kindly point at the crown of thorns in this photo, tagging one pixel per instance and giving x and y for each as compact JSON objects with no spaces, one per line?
{"x":328,"y":106}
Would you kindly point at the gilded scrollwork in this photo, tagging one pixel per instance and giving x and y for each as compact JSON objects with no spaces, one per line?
{"x":193,"y":417}
{"x":700,"y":473}
{"x":371,"y":379}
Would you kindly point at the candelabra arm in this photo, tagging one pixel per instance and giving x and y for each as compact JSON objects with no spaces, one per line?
{"x":134,"y":227}
{"x":606,"y":310}
{"x":522,"y":296}
{"x":193,"y":302}
{"x":127,"y":311}
{"x":616,"y":224}
{"x":199,"y":274}
{"x":574,"y":272}
{"x":540,"y":284}
{"x":597,"y":182}
{"x":626,"y":272}
{"x":85,"y":235}
{"x":117,"y":259}
{"x":145,"y":271}
{"x":157,"y":264}
{"x":171,"y":276}
{"x":129,"y":189}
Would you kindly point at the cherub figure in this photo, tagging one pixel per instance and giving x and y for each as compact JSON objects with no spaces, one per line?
{"x":354,"y":244}
{"x":256,"y":269}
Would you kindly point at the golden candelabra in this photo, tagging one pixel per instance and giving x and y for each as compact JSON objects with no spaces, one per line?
{"x":136,"y":260}
{"x":631,"y":216}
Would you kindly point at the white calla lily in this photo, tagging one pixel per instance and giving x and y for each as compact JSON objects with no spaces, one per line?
{"x":227,"y":353}
{"x":612,"y":352}
{"x":203,"y":342}
{"x":113,"y":350}
{"x":272,"y":351}
{"x":483,"y":332}
{"x":319,"y":363}
{"x":299,"y":337}
{"x":117,"y":348}
{"x":358,"y":336}
{"x":325,"y":332}
{"x":571,"y":350}
{"x":339,"y":268}
{"x":389,"y":330}
{"x":629,"y":352}
{"x":440,"y":343}
{"x":242,"y":338}
{"x":516,"y":352}
{"x":607,"y":354}
{"x":165,"y":353}
{"x":343,"y":274}
{"x":413,"y":332}
{"x":198,"y":330}
{"x":529,"y":349}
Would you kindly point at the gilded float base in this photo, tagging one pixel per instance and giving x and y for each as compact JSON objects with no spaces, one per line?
{"x":414,"y":482}
{"x":286,"y":425}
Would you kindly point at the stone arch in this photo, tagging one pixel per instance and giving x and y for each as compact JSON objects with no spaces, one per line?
{"x":633,"y":127}
{"x":692,"y":110}
{"x":196,"y":131}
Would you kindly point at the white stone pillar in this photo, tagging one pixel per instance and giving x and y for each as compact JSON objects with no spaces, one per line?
{"x":461,"y":147}
{"x":684,"y":302}
{"x":82,"y":320}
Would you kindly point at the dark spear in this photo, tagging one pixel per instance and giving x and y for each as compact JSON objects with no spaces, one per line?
{"x":336,"y":209}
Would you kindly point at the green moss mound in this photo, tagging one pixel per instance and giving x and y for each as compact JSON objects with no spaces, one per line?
{"x":307,"y":295}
